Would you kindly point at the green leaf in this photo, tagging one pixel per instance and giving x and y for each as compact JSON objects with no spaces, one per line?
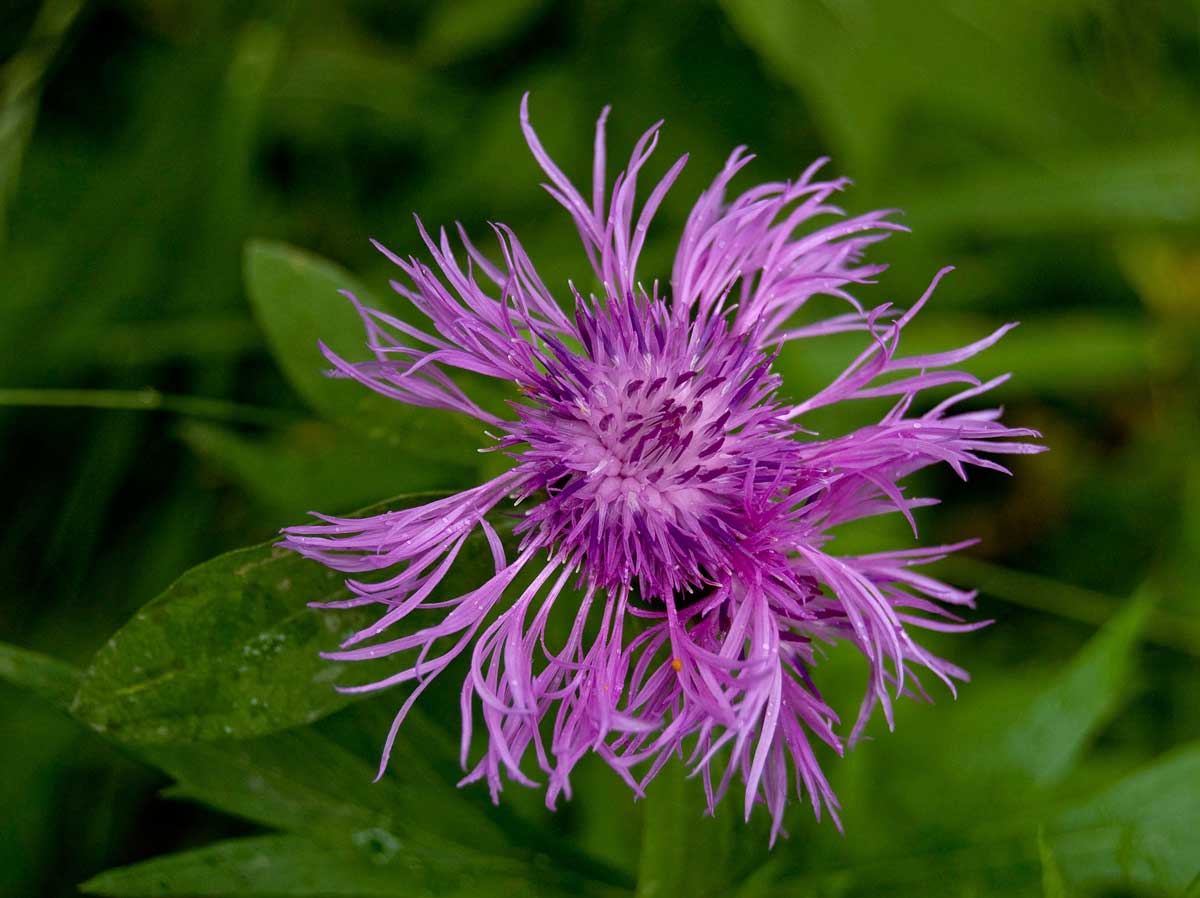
{"x":1050,"y":735}
{"x":684,"y":851}
{"x":372,"y":864}
{"x":295,"y":298}
{"x":303,"y":781}
{"x":298,"y":780}
{"x":53,"y":680}
{"x":1141,"y":831}
{"x":230,"y":649}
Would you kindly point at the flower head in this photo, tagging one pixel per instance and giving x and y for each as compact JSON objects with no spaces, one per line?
{"x":671,"y":495}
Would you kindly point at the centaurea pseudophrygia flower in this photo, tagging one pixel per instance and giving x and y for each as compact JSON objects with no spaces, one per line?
{"x":669,"y":491}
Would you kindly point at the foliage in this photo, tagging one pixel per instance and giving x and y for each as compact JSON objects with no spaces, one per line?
{"x":162,"y":402}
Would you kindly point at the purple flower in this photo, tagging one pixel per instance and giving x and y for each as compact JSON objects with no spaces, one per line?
{"x":673,"y":501}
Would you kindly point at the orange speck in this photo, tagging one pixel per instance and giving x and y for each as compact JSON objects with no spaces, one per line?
{"x":677,"y":664}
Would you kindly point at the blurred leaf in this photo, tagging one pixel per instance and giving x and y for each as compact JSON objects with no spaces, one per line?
{"x":277,"y":866}
{"x":1087,"y":190}
{"x":230,"y":649}
{"x":147,"y":399}
{"x":1141,"y":831}
{"x":684,"y":851}
{"x":77,"y":535}
{"x":321,"y":79}
{"x":42,"y":759}
{"x":1166,"y":275}
{"x":1067,"y":354}
{"x":314,"y":466}
{"x":866,"y":67}
{"x":762,"y":882}
{"x":47,"y":677}
{"x":222,"y":215}
{"x":295,"y":298}
{"x":138,"y":344}
{"x":464,"y":27}
{"x":1050,"y":735}
{"x":302,"y":781}
{"x":108,"y":239}
{"x":607,"y":826}
{"x":1053,"y":885}
{"x":1178,"y":631}
{"x":20,"y":90}
{"x":1033,"y":155}
{"x":1193,"y":888}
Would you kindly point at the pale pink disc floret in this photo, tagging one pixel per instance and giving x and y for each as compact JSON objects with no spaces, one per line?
{"x":668,"y":493}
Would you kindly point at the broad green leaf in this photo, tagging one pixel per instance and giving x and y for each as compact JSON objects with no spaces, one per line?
{"x":1048,"y":737}
{"x":230,"y":649}
{"x":295,"y":298}
{"x":373,"y":865}
{"x":297,"y":780}
{"x":684,"y":851}
{"x":1142,"y":831}
{"x":303,"y":781}
{"x":314,"y":465}
{"x":53,"y":680}
{"x":427,"y":751}
{"x":261,"y":866}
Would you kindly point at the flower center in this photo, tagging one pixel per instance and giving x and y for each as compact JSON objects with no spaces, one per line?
{"x":652,"y":442}
{"x":646,"y":473}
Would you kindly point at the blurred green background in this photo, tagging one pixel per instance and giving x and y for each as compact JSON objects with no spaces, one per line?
{"x":152,"y":415}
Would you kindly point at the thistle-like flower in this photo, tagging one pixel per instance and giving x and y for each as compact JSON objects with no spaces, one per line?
{"x":670,"y":493}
